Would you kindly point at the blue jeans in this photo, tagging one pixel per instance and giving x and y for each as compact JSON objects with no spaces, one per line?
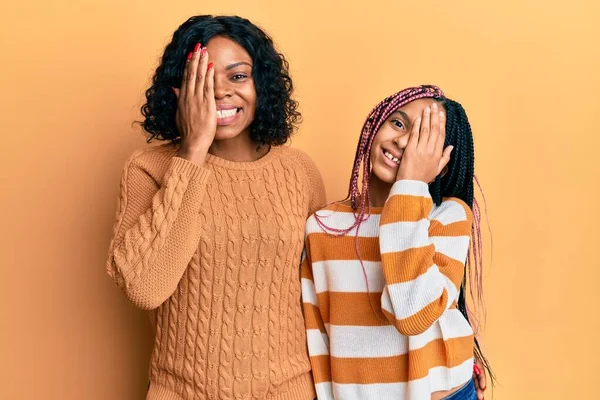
{"x":467,"y":392}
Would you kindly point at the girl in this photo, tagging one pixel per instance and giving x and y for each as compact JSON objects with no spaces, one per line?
{"x":383,"y":273}
{"x":210,"y":226}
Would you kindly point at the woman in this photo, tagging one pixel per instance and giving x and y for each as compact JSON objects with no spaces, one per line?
{"x":210,"y":226}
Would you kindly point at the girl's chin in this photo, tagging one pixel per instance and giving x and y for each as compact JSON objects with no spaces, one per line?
{"x":384,"y":176}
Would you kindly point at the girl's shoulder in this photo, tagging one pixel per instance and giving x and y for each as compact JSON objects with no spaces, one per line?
{"x":452,"y":209}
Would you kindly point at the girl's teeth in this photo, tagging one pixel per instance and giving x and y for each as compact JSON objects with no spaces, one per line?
{"x":226,"y":113}
{"x":391,"y":157}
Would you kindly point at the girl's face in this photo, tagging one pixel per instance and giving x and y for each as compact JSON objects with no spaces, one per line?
{"x":235,"y":94}
{"x":392,"y":138}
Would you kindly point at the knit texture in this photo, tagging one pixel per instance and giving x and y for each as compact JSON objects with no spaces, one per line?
{"x":386,"y":325}
{"x":214,"y":252}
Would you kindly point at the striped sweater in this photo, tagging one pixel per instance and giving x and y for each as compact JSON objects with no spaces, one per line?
{"x":401,"y":335}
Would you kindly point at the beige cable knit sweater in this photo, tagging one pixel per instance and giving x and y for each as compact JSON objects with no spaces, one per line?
{"x":214,"y":252}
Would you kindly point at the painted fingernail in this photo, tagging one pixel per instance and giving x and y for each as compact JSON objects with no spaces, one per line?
{"x":189,"y":57}
{"x":427,"y":110}
{"x":197,"y":47}
{"x":441,"y":114}
{"x":476,"y":370}
{"x":210,"y":65}
{"x":434,"y":106}
{"x":203,"y":52}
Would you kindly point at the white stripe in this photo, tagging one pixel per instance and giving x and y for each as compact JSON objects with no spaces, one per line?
{"x":439,"y":378}
{"x":347,"y":276}
{"x":410,"y":297}
{"x":343,"y":220}
{"x":448,"y":212}
{"x":351,"y":391}
{"x":386,"y":341}
{"x":452,"y":291}
{"x":308,"y":292}
{"x":455,"y":247}
{"x":367,"y":341}
{"x":408,"y":187}
{"x":401,"y":236}
{"x":317,"y":343}
{"x":324,"y":391}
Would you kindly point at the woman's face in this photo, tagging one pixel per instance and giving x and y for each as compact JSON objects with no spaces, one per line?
{"x":235,"y":94}
{"x":391,"y":139}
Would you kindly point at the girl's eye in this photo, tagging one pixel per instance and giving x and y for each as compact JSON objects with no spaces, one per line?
{"x":398,"y":123}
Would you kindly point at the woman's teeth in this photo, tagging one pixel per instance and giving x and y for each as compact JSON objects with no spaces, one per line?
{"x":226,"y":113}
{"x":391,"y":157}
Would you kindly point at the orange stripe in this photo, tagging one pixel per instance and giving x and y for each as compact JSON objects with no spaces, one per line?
{"x":453,"y":269}
{"x":327,"y":247}
{"x":306,"y":270}
{"x":405,"y":208}
{"x":321,"y":368}
{"x":407,"y":367}
{"x":353,"y":309}
{"x":324,"y":305}
{"x":459,"y":228}
{"x":422,"y":319}
{"x":312,"y":317}
{"x":404,"y":266}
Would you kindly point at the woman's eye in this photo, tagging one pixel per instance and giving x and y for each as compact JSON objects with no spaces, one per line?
{"x":237,"y":77}
{"x":398,"y":123}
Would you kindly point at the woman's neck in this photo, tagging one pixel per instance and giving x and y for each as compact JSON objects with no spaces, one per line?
{"x":238,"y":149}
{"x":379,"y":191}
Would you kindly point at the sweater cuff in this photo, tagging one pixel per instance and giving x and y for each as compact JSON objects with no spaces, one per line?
{"x":411,"y":188}
{"x":181,"y":166}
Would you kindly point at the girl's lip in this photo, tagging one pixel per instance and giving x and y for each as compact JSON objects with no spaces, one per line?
{"x":389,"y":162}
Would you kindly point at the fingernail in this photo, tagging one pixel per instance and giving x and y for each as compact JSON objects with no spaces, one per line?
{"x":189,"y":57}
{"x":434,"y":106}
{"x":475,"y":367}
{"x":484,"y":388}
{"x":441,"y":114}
{"x":197,"y":47}
{"x":203,"y":52}
{"x":210,"y":65}
{"x":427,"y":110}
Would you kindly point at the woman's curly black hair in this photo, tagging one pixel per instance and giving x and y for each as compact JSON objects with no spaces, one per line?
{"x":276,"y":113}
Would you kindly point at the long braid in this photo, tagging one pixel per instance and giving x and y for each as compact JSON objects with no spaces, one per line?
{"x":457,"y":182}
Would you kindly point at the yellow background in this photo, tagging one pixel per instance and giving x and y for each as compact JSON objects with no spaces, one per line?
{"x":72,"y":80}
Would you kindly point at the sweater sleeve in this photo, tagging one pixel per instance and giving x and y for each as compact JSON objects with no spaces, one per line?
{"x":316,"y":187}
{"x":423,"y":257}
{"x":316,"y":334}
{"x":156,"y":231}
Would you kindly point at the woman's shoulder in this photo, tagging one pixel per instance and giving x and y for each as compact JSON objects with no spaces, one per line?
{"x":298,"y":156}
{"x":153,"y":160}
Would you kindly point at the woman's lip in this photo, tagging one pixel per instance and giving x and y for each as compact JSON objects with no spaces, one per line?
{"x":225,"y":107}
{"x":229,"y":120}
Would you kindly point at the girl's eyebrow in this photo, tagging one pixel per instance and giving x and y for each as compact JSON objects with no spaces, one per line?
{"x":402,"y":114}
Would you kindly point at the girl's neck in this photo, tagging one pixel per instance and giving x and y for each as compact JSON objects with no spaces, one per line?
{"x":379,"y":191}
{"x":240,"y":148}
